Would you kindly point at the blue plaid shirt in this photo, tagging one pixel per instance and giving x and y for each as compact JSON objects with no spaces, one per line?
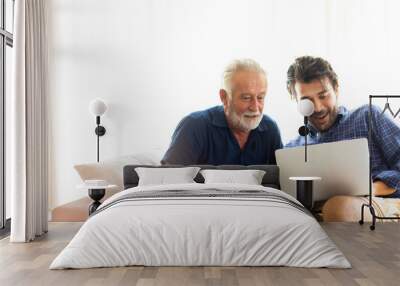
{"x":384,"y":148}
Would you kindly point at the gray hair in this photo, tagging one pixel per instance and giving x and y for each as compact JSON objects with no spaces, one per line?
{"x":240,"y":65}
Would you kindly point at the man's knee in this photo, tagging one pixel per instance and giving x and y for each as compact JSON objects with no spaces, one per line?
{"x":344,"y":208}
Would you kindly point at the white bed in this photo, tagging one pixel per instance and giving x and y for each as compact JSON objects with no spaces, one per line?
{"x":266,"y":228}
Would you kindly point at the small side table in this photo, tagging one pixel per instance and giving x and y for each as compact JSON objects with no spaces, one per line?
{"x":304,"y":190}
{"x":96,"y":193}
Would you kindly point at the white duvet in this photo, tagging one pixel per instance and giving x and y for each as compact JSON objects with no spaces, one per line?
{"x":200,"y":231}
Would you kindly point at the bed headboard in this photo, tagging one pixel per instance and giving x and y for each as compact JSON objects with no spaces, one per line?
{"x":270,"y":179}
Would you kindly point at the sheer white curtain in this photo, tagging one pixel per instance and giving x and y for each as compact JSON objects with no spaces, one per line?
{"x":28,"y":160}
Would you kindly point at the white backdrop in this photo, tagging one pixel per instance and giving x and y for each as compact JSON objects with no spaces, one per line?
{"x":153,"y":61}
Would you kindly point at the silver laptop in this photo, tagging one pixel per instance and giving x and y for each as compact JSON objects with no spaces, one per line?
{"x":343,"y":167}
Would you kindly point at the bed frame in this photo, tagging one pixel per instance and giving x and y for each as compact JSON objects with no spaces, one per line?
{"x":270,"y":179}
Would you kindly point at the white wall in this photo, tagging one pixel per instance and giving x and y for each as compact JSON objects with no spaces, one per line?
{"x":153,"y":61}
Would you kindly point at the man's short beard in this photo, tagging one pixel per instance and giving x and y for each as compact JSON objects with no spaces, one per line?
{"x":241,"y":122}
{"x":333,"y":113}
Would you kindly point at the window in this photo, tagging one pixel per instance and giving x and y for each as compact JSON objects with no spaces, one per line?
{"x":6,"y":44}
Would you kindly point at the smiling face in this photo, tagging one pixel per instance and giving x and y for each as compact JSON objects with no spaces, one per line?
{"x":324,"y":96}
{"x":244,"y":107}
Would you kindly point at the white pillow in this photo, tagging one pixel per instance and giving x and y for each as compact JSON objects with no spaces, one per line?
{"x":165,"y":176}
{"x":248,"y":177}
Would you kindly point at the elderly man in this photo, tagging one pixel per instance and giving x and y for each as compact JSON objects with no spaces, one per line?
{"x":314,"y":79}
{"x":237,"y":132}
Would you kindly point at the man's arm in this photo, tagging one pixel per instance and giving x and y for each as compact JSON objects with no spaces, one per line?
{"x":381,"y":189}
{"x":186,"y":145}
{"x":276,"y":142}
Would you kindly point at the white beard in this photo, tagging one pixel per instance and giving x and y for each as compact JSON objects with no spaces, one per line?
{"x":243,"y":122}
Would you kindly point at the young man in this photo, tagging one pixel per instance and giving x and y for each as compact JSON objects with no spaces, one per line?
{"x":237,"y":132}
{"x":314,"y":79}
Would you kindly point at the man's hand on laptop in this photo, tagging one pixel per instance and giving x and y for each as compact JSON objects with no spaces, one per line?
{"x":381,"y":189}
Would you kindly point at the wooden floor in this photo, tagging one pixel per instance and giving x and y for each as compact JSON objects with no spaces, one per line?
{"x":374,"y":255}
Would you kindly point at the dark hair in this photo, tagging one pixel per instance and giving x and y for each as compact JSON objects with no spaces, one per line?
{"x":307,"y":69}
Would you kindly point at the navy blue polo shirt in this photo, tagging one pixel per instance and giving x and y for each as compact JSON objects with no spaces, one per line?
{"x":204,"y":137}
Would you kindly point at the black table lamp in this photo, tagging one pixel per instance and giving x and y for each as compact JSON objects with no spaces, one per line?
{"x":306,"y":108}
{"x":97,"y":107}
